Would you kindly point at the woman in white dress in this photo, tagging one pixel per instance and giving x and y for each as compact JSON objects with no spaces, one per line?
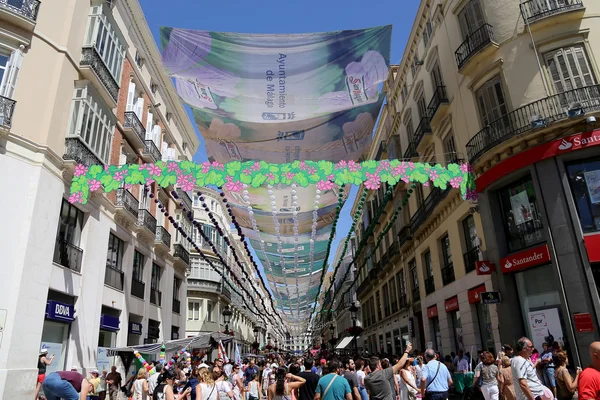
{"x":206,"y":389}
{"x":140,"y":385}
{"x":408,"y":386}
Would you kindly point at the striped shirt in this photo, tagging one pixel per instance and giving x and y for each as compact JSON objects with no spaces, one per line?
{"x":524,"y":369}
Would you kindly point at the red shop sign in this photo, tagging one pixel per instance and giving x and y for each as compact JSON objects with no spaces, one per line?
{"x":432,"y":311}
{"x":525,"y":259}
{"x":484,"y":267}
{"x":583,"y":322}
{"x":451,"y":304}
{"x":475,"y":293}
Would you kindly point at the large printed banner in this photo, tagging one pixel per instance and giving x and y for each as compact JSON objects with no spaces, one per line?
{"x":280,"y":99}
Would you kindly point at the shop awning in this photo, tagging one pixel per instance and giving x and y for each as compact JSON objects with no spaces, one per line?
{"x":344,"y":342}
{"x":202,"y":341}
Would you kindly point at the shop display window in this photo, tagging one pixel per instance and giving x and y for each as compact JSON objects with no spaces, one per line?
{"x":520,"y":212}
{"x":584,"y":178}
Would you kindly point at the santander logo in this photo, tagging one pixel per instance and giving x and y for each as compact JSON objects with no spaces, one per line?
{"x":484,"y":268}
{"x":508,"y":264}
{"x":526,"y":259}
{"x":565,"y":145}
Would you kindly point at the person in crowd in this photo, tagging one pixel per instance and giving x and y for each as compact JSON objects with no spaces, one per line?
{"x":505,"y":382}
{"x":43,"y":362}
{"x":526,"y":382}
{"x":408,"y":385}
{"x":164,"y":389}
{"x":140,"y":385}
{"x":307,"y":391}
{"x":228,"y":369}
{"x":192,"y":382}
{"x":566,"y":385}
{"x":153,"y":379}
{"x":385,"y":364}
{"x":547,"y":367}
{"x":66,"y":385}
{"x":360,"y":376}
{"x":449,"y":364}
{"x":321,"y":367}
{"x":488,"y":371}
{"x":113,"y":380}
{"x":206,"y":388}
{"x":94,"y":380}
{"x":508,"y":350}
{"x":349,"y":374}
{"x":224,"y":388}
{"x":589,"y":379}
{"x":284,"y":384}
{"x":295,"y":370}
{"x":254,"y":388}
{"x":237,"y":382}
{"x":418,"y":364}
{"x":102,"y":386}
{"x":331,"y":386}
{"x":463,"y":362}
{"x":250,"y":370}
{"x":265,"y":383}
{"x":435,"y":378}
{"x":378,"y":382}
{"x":180,"y":378}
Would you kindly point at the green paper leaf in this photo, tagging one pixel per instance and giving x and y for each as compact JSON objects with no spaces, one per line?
{"x":211,"y":178}
{"x":258,"y":180}
{"x":113,"y":185}
{"x":301,"y":179}
{"x":326,"y":167}
{"x":233,"y":168}
{"x":106,"y":179}
{"x":168,"y":180}
{"x":95,"y":170}
{"x":314,"y":178}
{"x":245,"y":178}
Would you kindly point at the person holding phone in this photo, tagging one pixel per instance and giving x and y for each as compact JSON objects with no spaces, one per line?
{"x":43,"y":362}
{"x":164,"y":390}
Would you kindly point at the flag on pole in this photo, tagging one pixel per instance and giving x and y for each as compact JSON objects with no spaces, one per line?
{"x":221,"y":353}
{"x":238,"y":357}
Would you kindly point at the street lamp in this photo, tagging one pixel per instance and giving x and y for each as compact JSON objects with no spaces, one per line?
{"x":227,"y":313}
{"x":354,"y":315}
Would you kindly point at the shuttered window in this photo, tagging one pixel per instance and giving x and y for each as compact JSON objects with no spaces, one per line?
{"x":410,"y":131}
{"x":471,"y":18}
{"x":450,"y":148}
{"x":569,"y":68}
{"x":491,"y":101}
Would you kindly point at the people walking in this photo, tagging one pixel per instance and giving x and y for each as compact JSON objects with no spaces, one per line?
{"x":547,"y":367}
{"x":565,"y":384}
{"x":488,"y":372}
{"x":307,"y":391}
{"x":526,"y":382}
{"x":254,"y":388}
{"x":66,"y":385}
{"x":378,"y":382}
{"x":113,"y":380}
{"x":284,"y":384}
{"x":360,"y":376}
{"x":408,"y":385}
{"x":153,"y":379}
{"x":589,"y":379}
{"x":331,"y":386}
{"x":435,"y":378}
{"x":140,"y":385}
{"x":43,"y":362}
{"x":206,"y":389}
{"x":350,"y":376}
{"x":164,"y":390}
{"x":505,"y":381}
{"x":102,"y":386}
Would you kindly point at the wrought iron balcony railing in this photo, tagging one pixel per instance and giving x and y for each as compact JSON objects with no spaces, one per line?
{"x":448,"y":274}
{"x":534,"y":10}
{"x":176,"y":306}
{"x":475,"y":42}
{"x":155,"y":297}
{"x":182,"y":253}
{"x":429,"y":285}
{"x":405,"y":235}
{"x":422,"y":129}
{"x":151,"y":151}
{"x":25,"y":8}
{"x":439,"y":97}
{"x":128,"y":201}
{"x":393,"y":251}
{"x":416,"y":294}
{"x":536,"y":115}
{"x":132,"y":122}
{"x":226,"y":292}
{"x":411,"y":151}
{"x":425,"y":210}
{"x":402,"y":302}
{"x":91,"y":58}
{"x":138,"y":288}
{"x":68,"y":255}
{"x":470,"y":258}
{"x":183,"y":196}
{"x":7,"y":107}
{"x":146,"y":220}
{"x":76,"y":150}
{"x":163,"y":236}
{"x":113,"y":277}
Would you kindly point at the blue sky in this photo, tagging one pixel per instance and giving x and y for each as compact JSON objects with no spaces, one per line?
{"x":286,"y":16}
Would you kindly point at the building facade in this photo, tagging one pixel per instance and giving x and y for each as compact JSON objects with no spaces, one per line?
{"x":111,"y":272}
{"x":492,"y":84}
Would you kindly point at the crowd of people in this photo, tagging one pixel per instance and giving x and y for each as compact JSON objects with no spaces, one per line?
{"x":519,"y":374}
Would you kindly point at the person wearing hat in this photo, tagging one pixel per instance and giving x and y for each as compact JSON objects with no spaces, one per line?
{"x":94,"y":380}
{"x":43,"y":362}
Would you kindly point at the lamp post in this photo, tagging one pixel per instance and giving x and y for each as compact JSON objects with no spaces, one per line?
{"x":354,"y":315}
{"x":227,"y":313}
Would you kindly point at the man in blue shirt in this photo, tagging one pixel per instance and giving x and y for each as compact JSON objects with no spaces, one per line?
{"x":435,"y":378}
{"x":332,"y":386}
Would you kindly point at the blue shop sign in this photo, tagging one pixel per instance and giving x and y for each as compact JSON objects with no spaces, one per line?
{"x":135,"y":328}
{"x":109,"y":323}
{"x":60,"y":311}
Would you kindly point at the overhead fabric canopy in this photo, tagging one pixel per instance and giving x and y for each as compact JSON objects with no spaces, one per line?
{"x":344,"y":342}
{"x":283,"y":99}
{"x":196,"y":342}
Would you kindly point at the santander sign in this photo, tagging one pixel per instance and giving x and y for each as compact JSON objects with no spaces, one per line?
{"x":525,"y":259}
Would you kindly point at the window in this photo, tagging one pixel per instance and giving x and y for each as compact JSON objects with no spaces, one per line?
{"x":450,"y":149}
{"x":410,"y":131}
{"x":522,"y":220}
{"x":138,"y":266}
{"x":386,"y":300}
{"x":436,"y":75}
{"x":471,"y":18}
{"x":139,"y":61}
{"x":155,"y":280}
{"x":102,"y":36}
{"x":419,"y":194}
{"x":209,"y":311}
{"x":92,"y":122}
{"x":569,"y":69}
{"x":153,"y":87}
{"x":378,"y":306}
{"x":585,"y":184}
{"x":401,"y":284}
{"x":416,"y":63}
{"x":114,"y":258}
{"x":10,"y":65}
{"x":70,"y":223}
{"x":393,"y":299}
{"x":448,"y":267}
{"x":428,"y":273}
{"x":422,"y":106}
{"x":472,"y":243}
{"x":414,"y":277}
{"x":491,"y":103}
{"x":427,"y":32}
{"x":404,"y":92}
{"x":168,"y":116}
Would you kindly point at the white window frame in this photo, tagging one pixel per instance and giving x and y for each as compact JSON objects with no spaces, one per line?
{"x":194,"y":310}
{"x":11,"y":70}
{"x":487,"y":93}
{"x":572,"y":62}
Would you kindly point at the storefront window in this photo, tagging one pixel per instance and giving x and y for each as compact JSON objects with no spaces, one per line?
{"x":485,"y":327}
{"x":584,"y":177}
{"x":388,"y":343}
{"x":435,"y":333}
{"x":54,"y":339}
{"x":397,"y":342}
{"x":522,"y":220}
{"x":456,"y":330}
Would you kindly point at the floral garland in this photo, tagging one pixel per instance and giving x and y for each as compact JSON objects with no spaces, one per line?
{"x":233,"y":175}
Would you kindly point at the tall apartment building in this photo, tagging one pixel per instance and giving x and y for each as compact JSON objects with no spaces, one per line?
{"x":209,"y":291}
{"x":512,"y":88}
{"x":82,"y":82}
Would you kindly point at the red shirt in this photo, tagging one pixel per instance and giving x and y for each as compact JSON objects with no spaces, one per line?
{"x":74,"y":378}
{"x":589,"y":384}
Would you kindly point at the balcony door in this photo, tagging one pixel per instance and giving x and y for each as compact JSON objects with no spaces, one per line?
{"x":422,"y":106}
{"x":492,"y":106}
{"x":570,"y":69}
{"x":471,"y":18}
{"x":436,"y":75}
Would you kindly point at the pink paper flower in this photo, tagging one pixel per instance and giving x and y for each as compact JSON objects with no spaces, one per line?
{"x":411,"y":165}
{"x":426,"y":184}
{"x":289,"y":175}
{"x":150,"y":181}
{"x":256,"y":166}
{"x":234,"y":186}
{"x":143,"y":167}
{"x":247,"y":171}
{"x":205,"y":167}
{"x":302,"y":165}
{"x":106,"y":168}
{"x":331,"y":177}
{"x":455,"y":182}
{"x":341,"y":165}
{"x":433,"y":175}
{"x":312,"y":170}
{"x":465,"y":168}
{"x":353,"y":166}
{"x":172,"y":166}
{"x":471,"y":194}
{"x":76,"y":197}
{"x":270,"y":176}
{"x":80,"y":169}
{"x":94,"y":185}
{"x":154,"y":170}
{"x":385,"y":164}
{"x":373,"y":181}
{"x":185,"y":182}
{"x":120,"y":175}
{"x":405,"y":179}
{"x":400,"y":169}
{"x":325,"y":185}
{"x":217,"y":165}
{"x":128,"y":186}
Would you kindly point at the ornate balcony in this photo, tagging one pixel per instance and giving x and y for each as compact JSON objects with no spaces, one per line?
{"x":404,"y":236}
{"x":68,"y":255}
{"x":536,"y":10}
{"x":76,"y":150}
{"x":226,"y":292}
{"x":426,"y":209}
{"x":416,"y":294}
{"x":448,"y":274}
{"x":138,"y":288}
{"x":181,"y":255}
{"x":94,"y":70}
{"x":22,"y":13}
{"x":147,"y":222}
{"x":127,"y":205}
{"x":470,"y":258}
{"x":474,"y":44}
{"x":411,"y":151}
{"x":393,"y":251}
{"x":422,"y":135}
{"x":7,"y":107}
{"x":113,"y":277}
{"x":162,"y":239}
{"x":150,"y":154}
{"x":429,"y":285}
{"x":537,"y":115}
{"x":134,"y":130}
{"x":439,"y":102}
{"x":187,"y":200}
